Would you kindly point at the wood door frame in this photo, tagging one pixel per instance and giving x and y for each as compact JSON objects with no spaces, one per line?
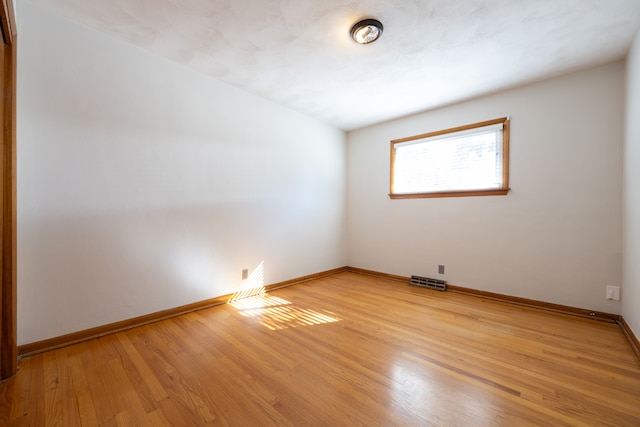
{"x":8,"y":265}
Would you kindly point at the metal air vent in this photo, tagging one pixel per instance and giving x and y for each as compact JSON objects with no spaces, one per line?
{"x":427,"y":282}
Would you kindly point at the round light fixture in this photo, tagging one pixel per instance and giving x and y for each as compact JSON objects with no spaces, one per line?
{"x":366,"y":31}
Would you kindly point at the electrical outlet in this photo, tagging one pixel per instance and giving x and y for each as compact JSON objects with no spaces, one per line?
{"x":441,"y":269}
{"x":613,"y":293}
{"x":245,"y":273}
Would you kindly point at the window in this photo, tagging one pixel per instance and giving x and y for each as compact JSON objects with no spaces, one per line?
{"x":471,"y":160}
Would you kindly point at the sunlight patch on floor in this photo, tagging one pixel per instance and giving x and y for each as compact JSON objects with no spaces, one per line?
{"x":273,"y":312}
{"x":286,"y":315}
{"x":258,"y":301}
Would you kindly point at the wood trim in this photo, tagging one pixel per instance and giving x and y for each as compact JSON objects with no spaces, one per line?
{"x":392,"y":161}
{"x":8,"y":265}
{"x":378,"y":274}
{"x":564,"y":309}
{"x":303,"y":279}
{"x":8,"y":22}
{"x":452,"y":130}
{"x":503,"y":191}
{"x":506,"y":137}
{"x":631,"y":337}
{"x":498,"y":192}
{"x":31,"y":349}
{"x":123,"y":325}
{"x":34,"y":348}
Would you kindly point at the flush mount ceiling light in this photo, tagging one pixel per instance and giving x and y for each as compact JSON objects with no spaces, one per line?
{"x":366,"y":31}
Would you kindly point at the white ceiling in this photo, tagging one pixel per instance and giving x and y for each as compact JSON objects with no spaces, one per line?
{"x":433,"y":52}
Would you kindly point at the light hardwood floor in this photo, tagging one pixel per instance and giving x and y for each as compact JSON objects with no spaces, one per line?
{"x":343,"y":350}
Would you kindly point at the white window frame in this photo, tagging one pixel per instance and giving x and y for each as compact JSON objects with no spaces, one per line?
{"x":502,"y":187}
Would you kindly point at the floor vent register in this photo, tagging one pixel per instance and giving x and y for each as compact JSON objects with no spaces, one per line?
{"x":427,"y":282}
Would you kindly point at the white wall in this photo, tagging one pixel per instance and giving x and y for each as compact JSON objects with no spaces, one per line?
{"x":631,"y":184}
{"x":556,"y":237}
{"x":144,"y":185}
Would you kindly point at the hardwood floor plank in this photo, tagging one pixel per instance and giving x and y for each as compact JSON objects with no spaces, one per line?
{"x":345,"y":349}
{"x":86,"y":410}
{"x":52,"y":396}
{"x":70,"y":409}
{"x":146,"y":375}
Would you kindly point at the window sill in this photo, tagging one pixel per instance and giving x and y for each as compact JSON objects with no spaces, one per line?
{"x":471,"y":193}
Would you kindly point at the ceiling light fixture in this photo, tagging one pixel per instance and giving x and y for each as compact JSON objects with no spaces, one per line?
{"x":366,"y":31}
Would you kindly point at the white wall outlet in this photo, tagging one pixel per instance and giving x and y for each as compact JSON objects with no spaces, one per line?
{"x":245,"y":273}
{"x":613,"y":293}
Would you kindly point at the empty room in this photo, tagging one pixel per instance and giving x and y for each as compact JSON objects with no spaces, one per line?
{"x":329,"y":213}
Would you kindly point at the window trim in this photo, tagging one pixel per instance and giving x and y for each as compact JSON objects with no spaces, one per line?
{"x":505,"y":121}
